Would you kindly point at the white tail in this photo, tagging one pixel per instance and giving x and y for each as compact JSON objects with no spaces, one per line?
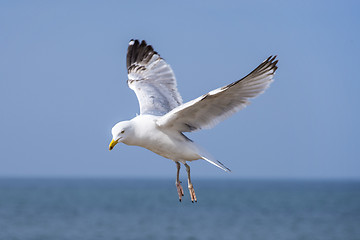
{"x":216,"y":163}
{"x":207,"y":157}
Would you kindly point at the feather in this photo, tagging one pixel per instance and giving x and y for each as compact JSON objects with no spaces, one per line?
{"x":152,"y":79}
{"x":209,"y":109}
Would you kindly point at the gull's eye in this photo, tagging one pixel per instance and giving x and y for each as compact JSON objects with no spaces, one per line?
{"x":122,"y":131}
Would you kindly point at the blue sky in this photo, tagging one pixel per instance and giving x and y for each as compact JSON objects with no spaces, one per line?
{"x":63,"y":85}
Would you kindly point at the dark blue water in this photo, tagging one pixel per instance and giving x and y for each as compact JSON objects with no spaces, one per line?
{"x":48,"y":209}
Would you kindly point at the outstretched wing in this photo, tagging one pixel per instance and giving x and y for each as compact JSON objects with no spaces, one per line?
{"x":152,"y":79}
{"x":209,"y":109}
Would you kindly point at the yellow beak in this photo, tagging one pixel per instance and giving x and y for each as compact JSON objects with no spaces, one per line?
{"x":112,"y":144}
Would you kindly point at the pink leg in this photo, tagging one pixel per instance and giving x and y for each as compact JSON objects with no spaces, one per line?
{"x":190,"y":186}
{"x":178,"y":183}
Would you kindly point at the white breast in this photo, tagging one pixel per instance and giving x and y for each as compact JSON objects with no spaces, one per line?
{"x":169,"y":144}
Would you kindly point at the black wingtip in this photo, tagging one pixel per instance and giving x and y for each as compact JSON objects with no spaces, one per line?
{"x":138,"y":52}
{"x":274,"y":63}
{"x":270,"y":61}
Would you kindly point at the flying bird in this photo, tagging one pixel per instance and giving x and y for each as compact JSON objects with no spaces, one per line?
{"x":164,"y":117}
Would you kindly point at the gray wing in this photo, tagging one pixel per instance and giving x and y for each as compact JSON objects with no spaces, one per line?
{"x":152,"y":79}
{"x":209,"y":109}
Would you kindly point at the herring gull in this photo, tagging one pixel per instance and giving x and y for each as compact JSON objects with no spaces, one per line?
{"x":164,"y":117}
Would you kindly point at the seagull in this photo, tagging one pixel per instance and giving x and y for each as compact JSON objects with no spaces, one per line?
{"x":164,"y":117}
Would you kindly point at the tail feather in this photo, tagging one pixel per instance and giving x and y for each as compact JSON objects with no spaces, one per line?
{"x":207,"y":157}
{"x":216,"y":163}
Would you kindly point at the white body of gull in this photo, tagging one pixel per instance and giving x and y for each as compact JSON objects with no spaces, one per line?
{"x":163,"y":117}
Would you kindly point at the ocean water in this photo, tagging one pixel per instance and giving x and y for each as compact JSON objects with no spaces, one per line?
{"x":114,"y":209}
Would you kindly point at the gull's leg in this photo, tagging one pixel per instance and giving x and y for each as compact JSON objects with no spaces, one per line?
{"x":190,"y":186}
{"x":178,"y":183}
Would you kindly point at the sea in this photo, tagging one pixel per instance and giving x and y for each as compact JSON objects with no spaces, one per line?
{"x":116,"y":209}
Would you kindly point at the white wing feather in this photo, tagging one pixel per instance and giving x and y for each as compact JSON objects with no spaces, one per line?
{"x":152,"y":80}
{"x":209,"y":109}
